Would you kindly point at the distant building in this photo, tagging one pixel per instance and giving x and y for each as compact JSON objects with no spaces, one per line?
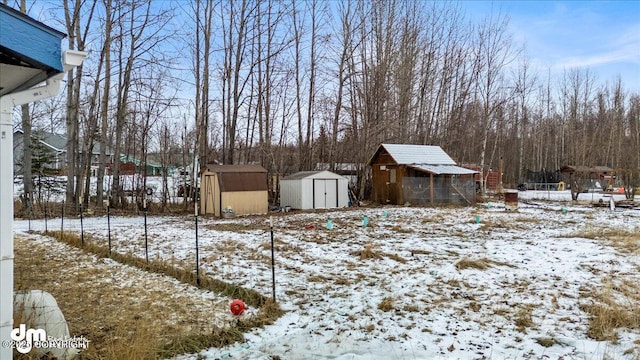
{"x":239,"y":188}
{"x":56,"y":146}
{"x":419,"y":174}
{"x":130,"y":165}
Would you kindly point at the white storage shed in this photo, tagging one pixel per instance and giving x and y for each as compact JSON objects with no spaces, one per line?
{"x":314,"y":190}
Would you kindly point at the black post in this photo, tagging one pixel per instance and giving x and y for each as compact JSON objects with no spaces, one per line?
{"x":273,"y":262}
{"x":146,"y":243}
{"x":195,"y":207}
{"x":62,"y":222}
{"x":197,"y":254}
{"x":30,"y":211}
{"x":81,"y":226}
{"x":46,"y":228}
{"x":109,"y":223}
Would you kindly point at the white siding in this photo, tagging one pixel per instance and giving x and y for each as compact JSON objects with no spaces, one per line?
{"x":306,"y":193}
{"x":291,"y":193}
{"x":299,"y":192}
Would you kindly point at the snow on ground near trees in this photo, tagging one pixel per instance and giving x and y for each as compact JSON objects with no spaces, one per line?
{"x":392,"y":290}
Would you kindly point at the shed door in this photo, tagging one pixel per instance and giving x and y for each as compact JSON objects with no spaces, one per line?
{"x":325,"y":193}
{"x":207,"y":192}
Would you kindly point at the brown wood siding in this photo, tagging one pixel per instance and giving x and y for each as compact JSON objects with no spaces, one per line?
{"x":385,"y":192}
{"x":379,"y":180}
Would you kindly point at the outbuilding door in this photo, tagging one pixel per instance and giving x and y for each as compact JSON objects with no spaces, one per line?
{"x":325,"y":193}
{"x":208,"y":194}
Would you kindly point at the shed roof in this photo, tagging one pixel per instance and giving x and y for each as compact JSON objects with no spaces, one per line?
{"x":444,"y":169}
{"x":405,"y":154}
{"x":235,"y":168}
{"x":232,"y":178}
{"x":585,"y":169}
{"x":313,"y":174}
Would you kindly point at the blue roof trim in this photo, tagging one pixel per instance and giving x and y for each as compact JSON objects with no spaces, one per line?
{"x":31,"y":39}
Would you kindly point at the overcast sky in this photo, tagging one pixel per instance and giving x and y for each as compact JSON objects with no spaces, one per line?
{"x":601,"y":35}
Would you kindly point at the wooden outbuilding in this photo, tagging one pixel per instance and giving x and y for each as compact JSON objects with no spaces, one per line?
{"x":419,"y":174}
{"x":239,"y":188}
{"x":314,"y":190}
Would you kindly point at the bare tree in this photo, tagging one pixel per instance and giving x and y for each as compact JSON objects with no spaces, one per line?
{"x":77,"y":36}
{"x":524,"y":86}
{"x":138,"y":31}
{"x":201,"y":67}
{"x":105,"y":56}
{"x":493,"y":54}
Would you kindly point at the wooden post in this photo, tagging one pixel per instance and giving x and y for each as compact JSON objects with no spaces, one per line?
{"x":431,"y":186}
{"x":501,"y":164}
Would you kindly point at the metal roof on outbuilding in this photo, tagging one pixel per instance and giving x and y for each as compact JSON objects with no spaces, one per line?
{"x":313,"y":174}
{"x":405,"y":154}
{"x":444,"y":169}
{"x":235,"y":168}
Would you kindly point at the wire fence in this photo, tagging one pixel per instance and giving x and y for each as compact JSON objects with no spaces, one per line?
{"x":443,"y":190}
{"x":145,"y":234}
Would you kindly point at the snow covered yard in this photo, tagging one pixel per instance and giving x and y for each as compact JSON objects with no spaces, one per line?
{"x":419,"y":283}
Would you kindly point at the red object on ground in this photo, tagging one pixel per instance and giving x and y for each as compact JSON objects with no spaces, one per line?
{"x":309,"y":227}
{"x":237,"y":307}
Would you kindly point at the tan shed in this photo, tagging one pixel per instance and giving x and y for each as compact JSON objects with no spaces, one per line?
{"x":241,"y":188}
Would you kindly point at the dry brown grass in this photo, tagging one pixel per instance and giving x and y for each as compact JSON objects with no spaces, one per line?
{"x":113,"y":326}
{"x":479,"y":264}
{"x":520,"y":222}
{"x":523,"y":318}
{"x":546,"y":341}
{"x":131,"y":323}
{"x":437,"y":218}
{"x":401,"y":229}
{"x":606,"y":314}
{"x":386,"y":304}
{"x":475,"y":306}
{"x":411,"y":308}
{"x":370,"y":252}
{"x":626,"y":241}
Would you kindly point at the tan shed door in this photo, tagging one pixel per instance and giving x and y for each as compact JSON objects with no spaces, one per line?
{"x":209,"y":194}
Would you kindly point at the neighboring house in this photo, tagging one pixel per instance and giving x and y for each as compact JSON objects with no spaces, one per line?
{"x":55,"y":146}
{"x":52,"y":144}
{"x":419,"y":174}
{"x":130,"y":165}
{"x":314,"y":190}
{"x":241,"y":189}
{"x":585,"y":177}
